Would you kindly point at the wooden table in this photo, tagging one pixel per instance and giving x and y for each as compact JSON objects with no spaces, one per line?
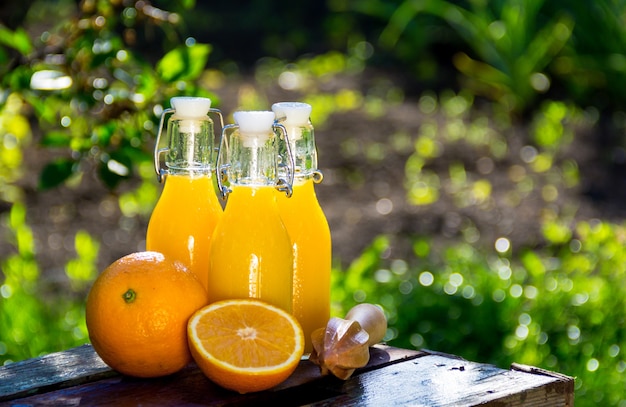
{"x":78,"y":377}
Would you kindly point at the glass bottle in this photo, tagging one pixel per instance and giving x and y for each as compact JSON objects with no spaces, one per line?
{"x":251,"y":253}
{"x":182,"y":222}
{"x":306,"y":223}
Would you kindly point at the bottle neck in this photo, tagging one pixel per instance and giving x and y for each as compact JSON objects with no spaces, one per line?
{"x":303,"y":150}
{"x":253,"y":161}
{"x":191,"y":147}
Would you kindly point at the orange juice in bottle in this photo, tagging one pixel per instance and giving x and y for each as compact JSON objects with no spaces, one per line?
{"x":182,"y":222}
{"x":251,"y":254}
{"x":306,"y":223}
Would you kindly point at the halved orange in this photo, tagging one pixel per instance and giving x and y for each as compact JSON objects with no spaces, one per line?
{"x":245,"y":345}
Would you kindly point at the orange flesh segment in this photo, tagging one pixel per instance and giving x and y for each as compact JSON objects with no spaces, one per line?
{"x":246,"y":341}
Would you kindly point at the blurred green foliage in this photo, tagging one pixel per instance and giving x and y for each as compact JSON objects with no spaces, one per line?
{"x":90,"y":84}
{"x":511,"y":42}
{"x":92,"y":91}
{"x":513,"y":51}
{"x":32,"y":322}
{"x":561,"y":307}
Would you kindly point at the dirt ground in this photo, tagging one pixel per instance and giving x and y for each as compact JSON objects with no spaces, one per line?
{"x":361,"y":198}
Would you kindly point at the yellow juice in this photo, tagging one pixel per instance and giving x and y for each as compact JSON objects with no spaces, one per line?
{"x":251,"y":251}
{"x":310,"y":236}
{"x":182,"y":223}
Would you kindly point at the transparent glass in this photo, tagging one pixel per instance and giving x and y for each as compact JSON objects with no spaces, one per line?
{"x":311,"y":247}
{"x":251,"y":254}
{"x":182,"y":223}
{"x":306,"y":223}
{"x":252,"y":162}
{"x":303,"y":149}
{"x":191,"y":147}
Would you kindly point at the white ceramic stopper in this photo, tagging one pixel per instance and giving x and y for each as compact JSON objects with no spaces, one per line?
{"x":189,"y":107}
{"x":296,"y":115}
{"x":255,"y":127}
{"x":190,"y":111}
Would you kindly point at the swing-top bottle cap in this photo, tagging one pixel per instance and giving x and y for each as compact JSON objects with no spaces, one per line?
{"x":295,"y":114}
{"x":189,"y":107}
{"x":254,"y":126}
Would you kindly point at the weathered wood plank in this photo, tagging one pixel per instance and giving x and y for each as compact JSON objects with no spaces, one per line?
{"x":393,"y":377}
{"x":441,"y":381}
{"x":52,"y":371}
{"x":79,"y":377}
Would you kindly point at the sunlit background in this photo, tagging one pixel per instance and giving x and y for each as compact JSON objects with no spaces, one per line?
{"x":473,"y":155}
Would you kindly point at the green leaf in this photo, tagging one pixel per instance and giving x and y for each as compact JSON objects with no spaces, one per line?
{"x":105,"y":132}
{"x":118,"y":167}
{"x":188,"y":4}
{"x":557,"y":232}
{"x":56,"y":139}
{"x":83,"y":268}
{"x":56,"y":172}
{"x":532,"y":262}
{"x":4,"y":60}
{"x":17,"y":39}
{"x":547,"y":43}
{"x":17,"y":216}
{"x":86,"y":247}
{"x":19,"y":78}
{"x":183,"y":63}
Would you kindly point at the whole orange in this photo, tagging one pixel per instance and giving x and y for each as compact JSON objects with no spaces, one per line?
{"x":137,"y":312}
